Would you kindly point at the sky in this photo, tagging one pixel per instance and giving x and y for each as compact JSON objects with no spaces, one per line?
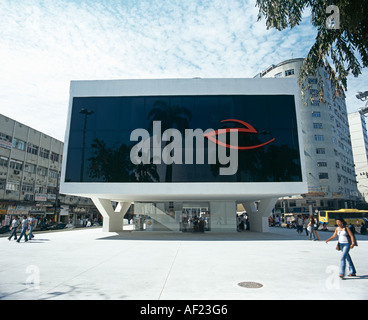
{"x":45,"y":44}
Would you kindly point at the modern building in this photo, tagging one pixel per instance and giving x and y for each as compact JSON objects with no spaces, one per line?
{"x":359,"y":142}
{"x":184,"y":151}
{"x":30,"y":167}
{"x":327,"y":144}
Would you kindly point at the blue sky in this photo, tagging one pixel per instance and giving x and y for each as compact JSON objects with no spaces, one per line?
{"x":44,"y":44}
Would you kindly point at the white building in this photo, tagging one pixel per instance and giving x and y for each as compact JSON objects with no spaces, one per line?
{"x":327,"y":144}
{"x":184,"y":149}
{"x":359,"y":141}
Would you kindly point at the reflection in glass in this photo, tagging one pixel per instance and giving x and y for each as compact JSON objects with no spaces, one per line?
{"x":99,"y":147}
{"x":86,"y":114}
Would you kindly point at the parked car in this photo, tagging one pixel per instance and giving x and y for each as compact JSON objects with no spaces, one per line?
{"x":4,"y":229}
{"x":52,"y":226}
{"x":58,"y":226}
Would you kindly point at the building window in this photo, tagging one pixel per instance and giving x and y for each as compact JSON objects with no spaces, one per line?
{"x":319,"y":137}
{"x":54,"y":156}
{"x":31,"y":168}
{"x":53,"y":174}
{"x":317,"y":126}
{"x":44,"y":153}
{"x":51,"y":190}
{"x":4,"y":161}
{"x":19,"y":144}
{"x":16,"y":165}
{"x":2,"y":184}
{"x":12,"y":186}
{"x":5,"y":137}
{"x":322,"y":164}
{"x":323,"y":175}
{"x":278,"y":75}
{"x":27,"y":188}
{"x":39,"y":189}
{"x":314,"y":102}
{"x":42,"y":171}
{"x":31,"y":148}
{"x":312,"y":80}
{"x":316,"y":114}
{"x":320,"y":151}
{"x":289,"y":72}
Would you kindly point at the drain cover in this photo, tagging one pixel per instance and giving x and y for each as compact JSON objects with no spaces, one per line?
{"x":249,"y":284}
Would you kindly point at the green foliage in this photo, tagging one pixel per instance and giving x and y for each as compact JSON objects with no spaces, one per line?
{"x":347,"y":46}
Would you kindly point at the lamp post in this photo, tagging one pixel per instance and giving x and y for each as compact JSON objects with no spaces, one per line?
{"x":86,"y":114}
{"x":363,"y":96}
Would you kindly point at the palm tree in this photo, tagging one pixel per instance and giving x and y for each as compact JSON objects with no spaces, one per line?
{"x":111,"y":164}
{"x":171,"y":116}
{"x":146,"y":172}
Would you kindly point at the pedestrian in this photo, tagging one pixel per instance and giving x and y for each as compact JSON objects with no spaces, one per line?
{"x":23,"y":230}
{"x":32,"y":223}
{"x":363,"y":229}
{"x":305,"y":225}
{"x":299,"y":224}
{"x":13,"y":227}
{"x":238,"y":222}
{"x":346,"y":241}
{"x":315,"y":226}
{"x":312,"y":235}
{"x":277,"y":221}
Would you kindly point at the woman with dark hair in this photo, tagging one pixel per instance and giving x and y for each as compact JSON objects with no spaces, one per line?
{"x":346,"y":241}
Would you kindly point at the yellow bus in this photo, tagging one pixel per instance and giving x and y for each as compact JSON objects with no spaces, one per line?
{"x":349,"y":215}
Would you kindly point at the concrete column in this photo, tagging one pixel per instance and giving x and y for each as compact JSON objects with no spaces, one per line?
{"x":223,"y":216}
{"x":258,"y":218}
{"x":112,"y":219}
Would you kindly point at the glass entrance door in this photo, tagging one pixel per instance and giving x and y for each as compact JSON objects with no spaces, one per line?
{"x":195,"y":218}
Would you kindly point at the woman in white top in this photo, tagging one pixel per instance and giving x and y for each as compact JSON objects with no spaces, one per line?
{"x":346,"y":242}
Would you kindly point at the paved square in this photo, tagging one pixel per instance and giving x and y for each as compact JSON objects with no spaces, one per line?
{"x":91,"y":264}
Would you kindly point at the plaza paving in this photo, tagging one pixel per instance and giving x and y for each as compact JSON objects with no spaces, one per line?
{"x":91,"y":264}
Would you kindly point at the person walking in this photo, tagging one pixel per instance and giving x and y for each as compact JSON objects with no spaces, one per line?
{"x":305,"y":225}
{"x":299,"y":224}
{"x":312,"y":235}
{"x":315,"y":226}
{"x":346,"y":241}
{"x":23,"y":230}
{"x":13,"y":227}
{"x":31,"y":225}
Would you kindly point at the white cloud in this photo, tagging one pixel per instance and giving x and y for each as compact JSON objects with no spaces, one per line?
{"x":45,"y":44}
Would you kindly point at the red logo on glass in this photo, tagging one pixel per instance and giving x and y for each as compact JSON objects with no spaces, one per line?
{"x":248,"y":128}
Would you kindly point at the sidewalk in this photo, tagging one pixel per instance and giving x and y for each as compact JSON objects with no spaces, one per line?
{"x":91,"y":264}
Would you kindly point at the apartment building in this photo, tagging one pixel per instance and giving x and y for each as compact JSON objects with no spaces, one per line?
{"x":327,"y":143}
{"x":30,"y":166}
{"x":359,"y":141}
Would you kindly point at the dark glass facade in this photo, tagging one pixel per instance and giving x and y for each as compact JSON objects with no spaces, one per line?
{"x":100,"y":145}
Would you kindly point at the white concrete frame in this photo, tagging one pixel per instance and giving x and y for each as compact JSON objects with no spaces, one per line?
{"x":102,"y":193}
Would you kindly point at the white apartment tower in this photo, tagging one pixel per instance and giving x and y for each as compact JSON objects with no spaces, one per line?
{"x":327,"y":143}
{"x":359,"y":141}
